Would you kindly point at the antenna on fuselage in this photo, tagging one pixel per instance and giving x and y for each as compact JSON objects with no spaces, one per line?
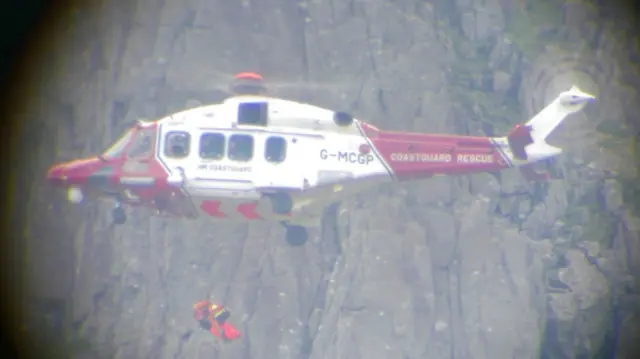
{"x":248,"y":83}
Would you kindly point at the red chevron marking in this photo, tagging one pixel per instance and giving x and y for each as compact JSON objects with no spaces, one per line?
{"x":248,"y":210}
{"x":212,"y":208}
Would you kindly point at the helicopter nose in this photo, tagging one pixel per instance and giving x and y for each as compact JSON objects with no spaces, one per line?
{"x":56,"y":175}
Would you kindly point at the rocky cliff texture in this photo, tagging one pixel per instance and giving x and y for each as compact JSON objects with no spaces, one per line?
{"x":481,"y":266}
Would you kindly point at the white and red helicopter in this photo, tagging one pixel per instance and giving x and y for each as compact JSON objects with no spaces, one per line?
{"x":257,"y":158}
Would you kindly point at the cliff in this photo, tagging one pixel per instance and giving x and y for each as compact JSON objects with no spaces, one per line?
{"x":482,"y":266}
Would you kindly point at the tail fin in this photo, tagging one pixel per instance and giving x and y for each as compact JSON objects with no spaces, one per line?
{"x":566,"y":103}
{"x":527,"y":141}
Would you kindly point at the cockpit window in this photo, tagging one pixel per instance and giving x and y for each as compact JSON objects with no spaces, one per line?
{"x":275,"y":149}
{"x":177,"y":144}
{"x":117,"y":149}
{"x":142,"y":146}
{"x":240,"y":148}
{"x":212,"y":146}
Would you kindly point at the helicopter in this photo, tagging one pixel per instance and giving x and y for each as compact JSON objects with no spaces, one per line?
{"x":253,"y":157}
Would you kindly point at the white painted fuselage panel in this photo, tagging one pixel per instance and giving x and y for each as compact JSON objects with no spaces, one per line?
{"x":301,"y":152}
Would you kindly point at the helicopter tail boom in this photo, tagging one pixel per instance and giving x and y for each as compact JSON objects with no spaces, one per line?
{"x":410,"y":156}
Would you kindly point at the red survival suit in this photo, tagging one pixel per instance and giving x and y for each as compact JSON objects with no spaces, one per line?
{"x":213,"y":317}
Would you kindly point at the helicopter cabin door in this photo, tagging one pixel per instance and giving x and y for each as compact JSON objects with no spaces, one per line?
{"x":142,"y":177}
{"x":283,"y":162}
{"x":220,"y":179}
{"x":139,"y":172}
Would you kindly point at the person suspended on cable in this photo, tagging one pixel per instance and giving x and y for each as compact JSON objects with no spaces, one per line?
{"x":213,"y":317}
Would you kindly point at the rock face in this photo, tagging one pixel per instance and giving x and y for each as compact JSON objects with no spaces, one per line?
{"x":477,"y":266}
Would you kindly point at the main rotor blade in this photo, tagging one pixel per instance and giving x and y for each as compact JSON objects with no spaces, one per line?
{"x":223,"y":80}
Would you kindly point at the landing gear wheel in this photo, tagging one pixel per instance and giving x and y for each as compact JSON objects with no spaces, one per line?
{"x":296,"y":235}
{"x":119,"y":216}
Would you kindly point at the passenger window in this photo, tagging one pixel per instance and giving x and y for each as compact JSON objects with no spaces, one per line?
{"x":176,"y":144}
{"x":275,"y":149}
{"x":240,"y":148}
{"x":212,"y":146}
{"x":142,"y":146}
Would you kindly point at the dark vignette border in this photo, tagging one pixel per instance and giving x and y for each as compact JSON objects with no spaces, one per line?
{"x":24,"y":43}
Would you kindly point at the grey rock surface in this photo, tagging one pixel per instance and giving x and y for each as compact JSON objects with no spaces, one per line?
{"x":420,"y":270}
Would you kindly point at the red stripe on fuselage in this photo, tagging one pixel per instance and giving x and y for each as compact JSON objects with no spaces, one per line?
{"x":418,"y":155}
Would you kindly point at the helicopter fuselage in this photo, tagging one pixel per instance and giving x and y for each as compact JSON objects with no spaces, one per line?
{"x":254,"y":158}
{"x":224,"y":161}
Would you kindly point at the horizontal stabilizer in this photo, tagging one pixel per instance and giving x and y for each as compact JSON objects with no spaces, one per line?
{"x":541,"y":150}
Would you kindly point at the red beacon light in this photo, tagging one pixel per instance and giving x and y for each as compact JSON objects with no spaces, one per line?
{"x":248,"y":76}
{"x":248,"y":83}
